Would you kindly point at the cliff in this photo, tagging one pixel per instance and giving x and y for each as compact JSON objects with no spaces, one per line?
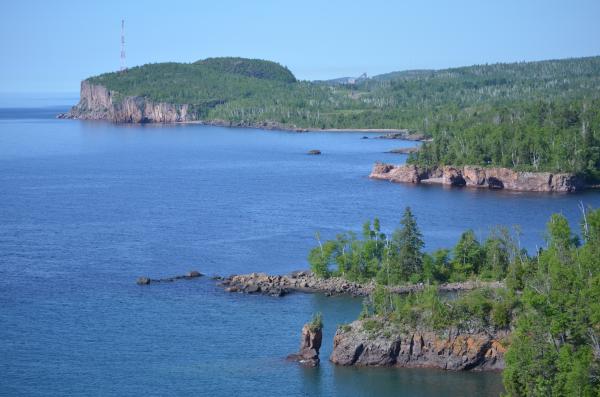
{"x":480,"y":177}
{"x":98,"y":103}
{"x":354,"y":344}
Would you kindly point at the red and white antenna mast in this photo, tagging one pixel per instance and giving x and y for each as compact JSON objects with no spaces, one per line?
{"x":123,"y":64}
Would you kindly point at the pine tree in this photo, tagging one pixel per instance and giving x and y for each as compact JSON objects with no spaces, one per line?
{"x":408,"y":242}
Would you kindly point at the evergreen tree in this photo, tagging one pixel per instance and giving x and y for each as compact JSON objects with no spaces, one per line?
{"x":408,"y":242}
{"x":468,"y":256}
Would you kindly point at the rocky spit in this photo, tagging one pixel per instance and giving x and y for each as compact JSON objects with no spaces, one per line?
{"x":306,"y":281}
{"x":479,"y":177}
{"x":310,"y":343}
{"x":390,"y":347}
{"x":147,"y":280}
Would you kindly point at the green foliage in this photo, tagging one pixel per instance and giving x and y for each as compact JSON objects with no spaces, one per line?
{"x":257,"y":68}
{"x":468,"y":256}
{"x":399,"y":259}
{"x":409,"y":243}
{"x":316,"y":323}
{"x":477,"y":309}
{"x":531,"y":116}
{"x":555,"y":348}
{"x":372,"y":325}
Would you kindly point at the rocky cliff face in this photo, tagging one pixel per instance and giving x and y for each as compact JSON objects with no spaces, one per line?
{"x":354,"y":345}
{"x":310,"y":343}
{"x":98,"y":103}
{"x":473,"y":176}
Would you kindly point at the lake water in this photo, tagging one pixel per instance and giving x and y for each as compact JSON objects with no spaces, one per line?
{"x":87,"y":207}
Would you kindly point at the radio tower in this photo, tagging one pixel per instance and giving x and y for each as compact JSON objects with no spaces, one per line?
{"x":123,"y":64}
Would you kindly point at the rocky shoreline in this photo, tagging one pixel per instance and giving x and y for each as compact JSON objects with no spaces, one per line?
{"x":98,"y":103}
{"x":388,"y":346}
{"x":306,"y":281}
{"x":480,"y":177}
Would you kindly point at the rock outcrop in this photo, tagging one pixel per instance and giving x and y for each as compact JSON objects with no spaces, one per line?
{"x":310,"y":343}
{"x":354,"y":345}
{"x":147,"y":280}
{"x":306,"y":281}
{"x":98,"y":103}
{"x":480,"y":177}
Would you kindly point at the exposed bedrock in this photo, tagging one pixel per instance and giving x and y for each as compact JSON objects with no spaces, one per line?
{"x":354,"y":345}
{"x":310,"y":344}
{"x":98,"y":103}
{"x":482,"y":177}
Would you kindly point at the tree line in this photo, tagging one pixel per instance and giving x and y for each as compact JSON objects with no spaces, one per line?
{"x":550,"y":301}
{"x":538,"y":116}
{"x":399,"y":258}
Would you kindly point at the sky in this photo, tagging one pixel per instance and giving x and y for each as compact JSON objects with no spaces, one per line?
{"x":50,"y":46}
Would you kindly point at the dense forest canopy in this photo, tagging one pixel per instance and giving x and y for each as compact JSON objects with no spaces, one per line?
{"x":250,"y":68}
{"x":550,"y":301}
{"x":539,"y":116}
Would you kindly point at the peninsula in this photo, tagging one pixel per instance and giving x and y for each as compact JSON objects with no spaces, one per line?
{"x":528,"y":117}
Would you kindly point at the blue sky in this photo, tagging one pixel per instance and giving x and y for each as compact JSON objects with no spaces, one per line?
{"x":50,"y":46}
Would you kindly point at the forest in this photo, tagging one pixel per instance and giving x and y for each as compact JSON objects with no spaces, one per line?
{"x":538,"y":116}
{"x":550,"y":301}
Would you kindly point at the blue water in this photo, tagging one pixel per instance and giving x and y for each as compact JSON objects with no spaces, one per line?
{"x":87,"y":207}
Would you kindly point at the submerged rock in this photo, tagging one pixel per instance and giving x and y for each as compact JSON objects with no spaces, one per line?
{"x":146,"y":280}
{"x":310,"y":344}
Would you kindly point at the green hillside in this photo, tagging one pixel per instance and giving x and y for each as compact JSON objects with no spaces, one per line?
{"x":531,"y":115}
{"x":250,"y":67}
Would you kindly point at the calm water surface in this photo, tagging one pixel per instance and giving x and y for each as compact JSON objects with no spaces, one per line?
{"x":87,"y":207}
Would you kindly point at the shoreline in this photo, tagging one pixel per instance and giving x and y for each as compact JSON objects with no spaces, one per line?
{"x":307,"y":282}
{"x":480,"y":177}
{"x":398,"y":133}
